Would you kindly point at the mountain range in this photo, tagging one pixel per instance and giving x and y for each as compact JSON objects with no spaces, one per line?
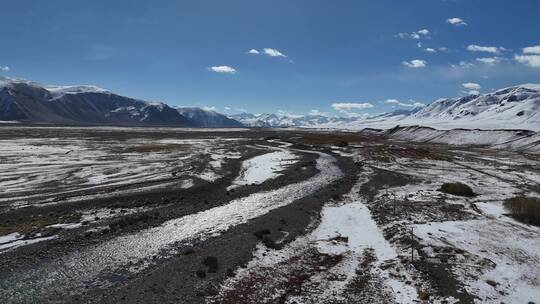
{"x":273,"y":120}
{"x":33,"y":103}
{"x":23,"y":101}
{"x":516,"y":107}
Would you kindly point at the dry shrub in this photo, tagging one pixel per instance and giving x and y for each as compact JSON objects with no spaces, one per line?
{"x":524,"y":209}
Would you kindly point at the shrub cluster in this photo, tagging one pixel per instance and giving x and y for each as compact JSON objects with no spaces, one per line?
{"x":459,"y":189}
{"x":524,"y":209}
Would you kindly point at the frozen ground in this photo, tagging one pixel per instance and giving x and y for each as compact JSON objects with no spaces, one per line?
{"x":38,"y":171}
{"x":260,"y":168}
{"x":175,"y":216}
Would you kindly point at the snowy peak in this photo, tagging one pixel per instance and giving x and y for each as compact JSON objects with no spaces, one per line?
{"x":59,"y":91}
{"x":516,"y":107}
{"x":54,"y":90}
{"x":285,"y":120}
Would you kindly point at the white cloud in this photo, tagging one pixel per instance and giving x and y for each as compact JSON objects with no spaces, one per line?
{"x":443,"y":49}
{"x":489,"y":60}
{"x":4,"y":68}
{"x":530,"y":60}
{"x":532,"y":50}
{"x":419,"y":44}
{"x":411,"y":103}
{"x":456,"y":21}
{"x":227,"y":108}
{"x":347,"y":106}
{"x":414,"y":35}
{"x":253,"y":51}
{"x":487,"y":49}
{"x":210,"y":108}
{"x":416,"y":63}
{"x":463,"y":65}
{"x":273,"y":53}
{"x":430,"y":50}
{"x":474,"y":92}
{"x":222,"y":69}
{"x":403,"y":35}
{"x":471,"y":86}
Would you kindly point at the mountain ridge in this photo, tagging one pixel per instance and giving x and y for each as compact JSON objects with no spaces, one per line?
{"x":33,"y":103}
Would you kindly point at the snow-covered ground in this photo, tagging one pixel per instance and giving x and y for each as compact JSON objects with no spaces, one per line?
{"x":40,"y":170}
{"x":345,"y":231}
{"x":501,"y":256}
{"x":514,"y":251}
{"x":140,"y":247}
{"x":264,"y":167}
{"x":492,"y":258}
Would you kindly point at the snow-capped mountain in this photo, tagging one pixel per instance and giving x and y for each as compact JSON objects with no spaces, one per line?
{"x":29,"y":102}
{"x":208,"y":118}
{"x":516,"y":107}
{"x":286,"y":120}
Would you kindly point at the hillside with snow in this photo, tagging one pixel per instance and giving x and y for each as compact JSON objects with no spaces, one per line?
{"x":29,"y":102}
{"x":515,"y":107}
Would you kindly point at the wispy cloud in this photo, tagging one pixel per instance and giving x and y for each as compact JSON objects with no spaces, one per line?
{"x":273,"y":52}
{"x":529,"y":60}
{"x":532,"y":50}
{"x":415,"y":64}
{"x":430,"y":50}
{"x":414,"y":35}
{"x":487,"y":49}
{"x":490,"y":60}
{"x":253,"y":51}
{"x":4,"y":68}
{"x":410,"y":104}
{"x":210,"y":108}
{"x":462,"y":65}
{"x":456,"y":21}
{"x":222,"y":69}
{"x":348,"y":106}
{"x":530,"y":56}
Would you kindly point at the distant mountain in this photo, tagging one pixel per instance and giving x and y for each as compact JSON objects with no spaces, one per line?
{"x":29,"y":102}
{"x":286,"y":120}
{"x":208,"y":118}
{"x":516,"y":107}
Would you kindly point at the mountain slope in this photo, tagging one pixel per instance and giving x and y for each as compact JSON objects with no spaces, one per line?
{"x":516,"y":107}
{"x":29,"y":102}
{"x":208,"y":118}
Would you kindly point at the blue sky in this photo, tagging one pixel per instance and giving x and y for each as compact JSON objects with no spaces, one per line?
{"x":355,"y":55}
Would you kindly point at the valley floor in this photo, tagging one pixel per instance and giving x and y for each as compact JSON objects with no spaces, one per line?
{"x":150,"y":215}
